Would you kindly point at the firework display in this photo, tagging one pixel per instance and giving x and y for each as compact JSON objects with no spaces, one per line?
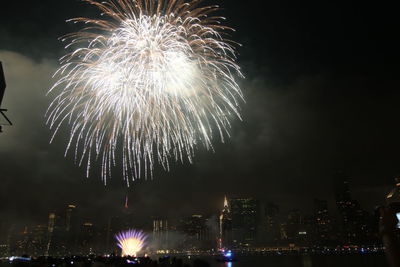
{"x":130,"y":242}
{"x":148,"y":82}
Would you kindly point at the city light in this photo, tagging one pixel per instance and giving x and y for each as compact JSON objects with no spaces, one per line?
{"x":228,"y":254}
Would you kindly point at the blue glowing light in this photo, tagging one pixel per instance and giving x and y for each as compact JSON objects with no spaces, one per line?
{"x":14,"y":258}
{"x":228,"y":254}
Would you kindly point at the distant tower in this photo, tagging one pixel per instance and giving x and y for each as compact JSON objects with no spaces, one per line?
{"x":225,"y":226}
{"x":127,"y":217}
{"x":126,"y":202}
{"x":68,"y":217}
{"x":123,"y":220}
{"x":50,"y":231}
{"x":341,"y":189}
{"x":272,"y":224}
{"x":322,"y":221}
{"x":86,"y":237}
{"x":245,"y":217}
{"x":52,"y":221}
{"x":353,"y":228}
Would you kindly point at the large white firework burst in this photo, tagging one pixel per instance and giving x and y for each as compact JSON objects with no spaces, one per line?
{"x":148,"y":82}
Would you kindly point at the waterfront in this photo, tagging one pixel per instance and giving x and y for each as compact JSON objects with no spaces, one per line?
{"x":305,"y":260}
{"x":354,"y":260}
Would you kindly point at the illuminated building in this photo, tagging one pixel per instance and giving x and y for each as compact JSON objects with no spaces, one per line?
{"x":69,"y":217}
{"x":37,"y":240}
{"x":4,"y":239}
{"x":71,"y":229}
{"x":244,"y":214}
{"x":160,"y":233}
{"x":322,"y":221}
{"x":86,"y":238}
{"x":272,"y":224}
{"x":56,"y":243}
{"x":225,"y":226}
{"x":355,"y":228}
{"x":50,"y":230}
{"x":293,"y":225}
{"x":20,"y":242}
{"x":51,"y":223}
{"x":197,"y":233}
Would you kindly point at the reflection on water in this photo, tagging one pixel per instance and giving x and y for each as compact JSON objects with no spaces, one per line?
{"x":307,"y":262}
{"x":353,"y":260}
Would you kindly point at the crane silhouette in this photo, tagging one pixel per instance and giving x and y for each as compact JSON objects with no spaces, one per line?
{"x":2,"y":89}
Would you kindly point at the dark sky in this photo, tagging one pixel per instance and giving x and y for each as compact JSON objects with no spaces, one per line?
{"x":322,"y":95}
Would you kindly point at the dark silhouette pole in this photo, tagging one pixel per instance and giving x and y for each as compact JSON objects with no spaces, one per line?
{"x":2,"y":89}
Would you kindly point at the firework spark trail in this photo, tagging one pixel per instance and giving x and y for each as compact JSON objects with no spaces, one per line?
{"x":131,"y":242}
{"x":156,"y":81}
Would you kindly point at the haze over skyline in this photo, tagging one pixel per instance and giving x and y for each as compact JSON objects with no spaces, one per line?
{"x":321,"y":94}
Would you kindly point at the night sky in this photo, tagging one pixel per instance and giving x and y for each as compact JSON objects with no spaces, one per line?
{"x":322,"y":95}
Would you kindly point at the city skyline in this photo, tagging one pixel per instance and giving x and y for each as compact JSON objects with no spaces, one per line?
{"x":321,"y":97}
{"x":124,"y":201}
{"x":244,"y":223}
{"x":230,"y":209}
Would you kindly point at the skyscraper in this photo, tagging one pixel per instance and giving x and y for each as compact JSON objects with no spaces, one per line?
{"x":56,"y":243}
{"x":354,"y":229}
{"x":37,"y":240}
{"x":50,"y":231}
{"x":86,"y":238}
{"x":160,"y":233}
{"x":322,"y":221}
{"x":4,"y":240}
{"x":196,"y":231}
{"x":244,"y":212}
{"x":272,"y":224}
{"x":225,"y":226}
{"x":71,"y":228}
{"x":341,"y":190}
{"x":69,"y":217}
{"x":294,"y":221}
{"x":52,"y":222}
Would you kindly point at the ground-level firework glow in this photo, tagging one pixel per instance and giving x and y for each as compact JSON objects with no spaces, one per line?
{"x":148,"y":82}
{"x":130,"y":242}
